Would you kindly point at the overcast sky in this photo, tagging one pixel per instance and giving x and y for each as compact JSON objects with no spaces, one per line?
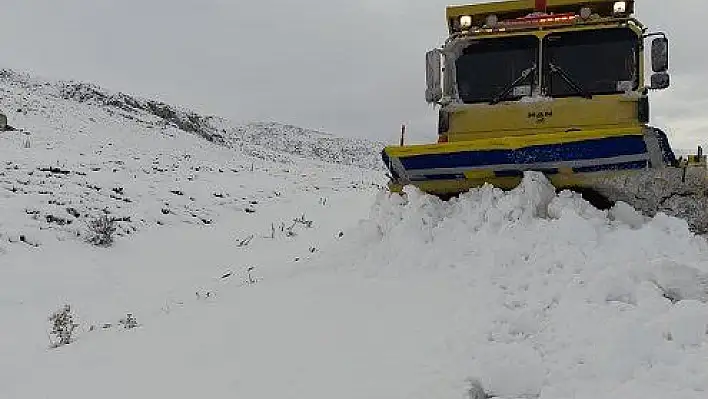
{"x":352,"y":68}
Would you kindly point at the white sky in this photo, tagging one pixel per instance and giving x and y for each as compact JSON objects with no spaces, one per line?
{"x":352,"y":68}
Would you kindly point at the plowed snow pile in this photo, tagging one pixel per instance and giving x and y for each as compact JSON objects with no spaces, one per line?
{"x":562,"y":300}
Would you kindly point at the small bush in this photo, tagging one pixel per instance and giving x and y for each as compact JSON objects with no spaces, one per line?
{"x":129,"y":321}
{"x":244,"y":242}
{"x":289,"y":230}
{"x":63,"y":327}
{"x":303,"y":221}
{"x":250,"y":280}
{"x":102,"y":230}
{"x":476,"y":391}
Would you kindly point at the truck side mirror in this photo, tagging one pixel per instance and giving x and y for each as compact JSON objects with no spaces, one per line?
{"x":660,"y":81}
{"x":660,"y":54}
{"x":433,"y":76}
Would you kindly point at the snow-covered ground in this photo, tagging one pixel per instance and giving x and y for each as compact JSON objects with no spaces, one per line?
{"x":254,"y":272}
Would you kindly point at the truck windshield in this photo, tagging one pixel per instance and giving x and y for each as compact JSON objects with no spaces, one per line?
{"x":487,"y":67}
{"x":594,"y":62}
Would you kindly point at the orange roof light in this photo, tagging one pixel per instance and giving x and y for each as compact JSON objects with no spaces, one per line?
{"x":541,"y":19}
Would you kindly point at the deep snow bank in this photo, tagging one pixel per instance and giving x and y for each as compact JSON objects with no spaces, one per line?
{"x":567,"y":301}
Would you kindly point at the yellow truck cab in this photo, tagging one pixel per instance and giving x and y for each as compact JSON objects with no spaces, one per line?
{"x":526,"y":67}
{"x":556,"y":86}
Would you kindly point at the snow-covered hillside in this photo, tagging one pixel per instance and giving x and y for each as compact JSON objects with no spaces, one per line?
{"x":263,"y":140}
{"x":256,"y":270}
{"x":80,"y":151}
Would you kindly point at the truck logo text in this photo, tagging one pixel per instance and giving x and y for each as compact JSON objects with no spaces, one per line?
{"x":540,"y":116}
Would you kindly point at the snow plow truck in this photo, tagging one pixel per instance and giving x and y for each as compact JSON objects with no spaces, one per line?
{"x":558,"y":87}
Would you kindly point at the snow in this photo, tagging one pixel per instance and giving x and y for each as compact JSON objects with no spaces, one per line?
{"x":529,"y":293}
{"x":536,"y":98}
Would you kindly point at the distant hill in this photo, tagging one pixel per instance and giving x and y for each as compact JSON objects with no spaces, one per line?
{"x":256,"y":139}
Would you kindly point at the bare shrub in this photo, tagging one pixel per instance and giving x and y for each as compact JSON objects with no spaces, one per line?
{"x":102,"y":230}
{"x":129,"y":321}
{"x":476,"y":391}
{"x":289,"y":230}
{"x":244,"y":242}
{"x":63,"y":327}
{"x":303,"y":221}
{"x":250,"y":280}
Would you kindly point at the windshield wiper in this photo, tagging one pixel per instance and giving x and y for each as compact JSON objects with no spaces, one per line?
{"x":525,"y":74}
{"x":571,"y":82}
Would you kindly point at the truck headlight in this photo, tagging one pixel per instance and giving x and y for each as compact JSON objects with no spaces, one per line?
{"x":585,"y":12}
{"x":620,"y":7}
